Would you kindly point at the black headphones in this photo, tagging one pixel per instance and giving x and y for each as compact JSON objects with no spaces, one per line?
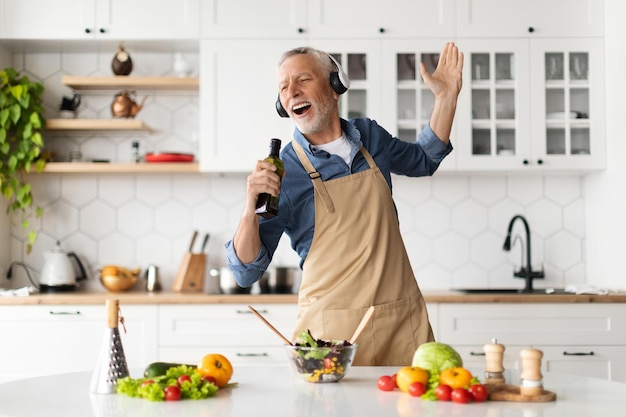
{"x":339,"y":81}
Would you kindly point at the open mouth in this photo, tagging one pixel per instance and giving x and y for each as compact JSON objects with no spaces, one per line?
{"x":301,"y":108}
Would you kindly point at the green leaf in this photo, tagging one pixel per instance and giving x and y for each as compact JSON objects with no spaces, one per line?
{"x":15,"y":111}
{"x":37,"y":139}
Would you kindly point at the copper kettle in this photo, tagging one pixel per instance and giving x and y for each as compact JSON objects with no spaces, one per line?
{"x":124,"y":106}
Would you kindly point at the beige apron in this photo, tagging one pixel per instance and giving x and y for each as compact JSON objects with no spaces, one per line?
{"x":357,"y":259}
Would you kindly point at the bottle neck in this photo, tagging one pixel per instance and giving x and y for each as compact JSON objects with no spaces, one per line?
{"x":275,"y":148}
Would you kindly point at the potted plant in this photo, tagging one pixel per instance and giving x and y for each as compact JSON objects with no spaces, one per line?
{"x":21,"y":142}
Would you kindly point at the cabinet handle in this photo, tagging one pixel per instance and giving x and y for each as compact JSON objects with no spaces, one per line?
{"x":252,"y":355}
{"x":381,"y":30}
{"x":64,"y":313}
{"x":578,"y":353}
{"x":102,"y":30}
{"x":300,"y":30}
{"x":540,"y":161}
{"x":525,"y":161}
{"x":531,"y":29}
{"x":250,"y":312}
{"x":477,"y":353}
{"x":87,"y":30}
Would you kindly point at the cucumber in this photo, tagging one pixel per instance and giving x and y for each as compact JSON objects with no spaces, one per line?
{"x":160,"y":368}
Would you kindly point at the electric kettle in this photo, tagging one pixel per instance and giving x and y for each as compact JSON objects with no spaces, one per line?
{"x":58,"y":273}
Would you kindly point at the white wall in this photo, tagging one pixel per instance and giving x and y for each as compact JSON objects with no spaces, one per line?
{"x":605,"y":192}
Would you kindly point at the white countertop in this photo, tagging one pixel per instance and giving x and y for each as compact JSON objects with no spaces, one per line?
{"x":275,"y":391}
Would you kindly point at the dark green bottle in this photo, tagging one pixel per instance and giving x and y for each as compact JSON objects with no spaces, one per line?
{"x":267,"y":204}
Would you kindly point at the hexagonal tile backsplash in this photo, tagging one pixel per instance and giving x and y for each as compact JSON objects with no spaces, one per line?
{"x":453,"y":225}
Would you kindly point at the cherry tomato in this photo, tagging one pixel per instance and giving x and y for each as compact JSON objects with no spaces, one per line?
{"x":183,"y":378}
{"x":395,"y":380}
{"x":460,"y":395}
{"x":386,"y":383}
{"x":478,"y":392}
{"x":417,"y":389}
{"x":209,"y":379}
{"x":172,"y":393}
{"x":147,"y":382}
{"x":443,"y":392}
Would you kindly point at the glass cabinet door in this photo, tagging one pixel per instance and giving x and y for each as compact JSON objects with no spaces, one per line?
{"x":493,"y":107}
{"x":360,"y":60}
{"x":408,"y":102}
{"x":570,"y":107}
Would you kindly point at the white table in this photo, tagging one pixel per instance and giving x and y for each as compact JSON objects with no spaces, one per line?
{"x":275,"y":392}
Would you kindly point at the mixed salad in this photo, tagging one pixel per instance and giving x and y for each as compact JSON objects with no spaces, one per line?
{"x":321,"y":360}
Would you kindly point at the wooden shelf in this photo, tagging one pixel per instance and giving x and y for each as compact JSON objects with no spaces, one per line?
{"x":96,"y":124}
{"x":128,"y":82}
{"x":121,"y":168}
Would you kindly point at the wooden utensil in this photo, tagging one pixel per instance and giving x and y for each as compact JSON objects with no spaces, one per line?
{"x":267,"y":323}
{"x":362,"y":324}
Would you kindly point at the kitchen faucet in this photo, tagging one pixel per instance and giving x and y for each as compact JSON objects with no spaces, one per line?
{"x":524,"y":272}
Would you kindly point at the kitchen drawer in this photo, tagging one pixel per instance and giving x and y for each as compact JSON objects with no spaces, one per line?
{"x":233,"y":325}
{"x":42,"y":340}
{"x":238,"y":356}
{"x":532,"y":324}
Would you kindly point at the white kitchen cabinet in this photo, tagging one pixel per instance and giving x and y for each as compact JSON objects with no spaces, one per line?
{"x":187,"y":333}
{"x":253,"y":19}
{"x":42,"y":340}
{"x":531,"y":105}
{"x":539,"y":18}
{"x":238,"y":91}
{"x":408,"y":102}
{"x":324,"y":19}
{"x":381,"y":19}
{"x":585,"y":339}
{"x":100,"y":19}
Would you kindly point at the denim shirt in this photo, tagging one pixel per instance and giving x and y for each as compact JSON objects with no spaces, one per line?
{"x":296,"y":212}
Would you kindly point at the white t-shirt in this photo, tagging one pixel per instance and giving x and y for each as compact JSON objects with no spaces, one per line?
{"x":339,"y":146}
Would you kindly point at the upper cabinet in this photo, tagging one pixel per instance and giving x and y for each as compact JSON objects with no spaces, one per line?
{"x":99,"y":19}
{"x":253,"y":19}
{"x":318,"y":19}
{"x":539,"y":18}
{"x":384,"y":19}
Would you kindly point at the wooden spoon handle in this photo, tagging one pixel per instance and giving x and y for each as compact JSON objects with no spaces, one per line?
{"x":267,"y":323}
{"x":362,"y":324}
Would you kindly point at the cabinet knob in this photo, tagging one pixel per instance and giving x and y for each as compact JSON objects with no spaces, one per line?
{"x":300,"y":30}
{"x":531,"y":29}
{"x":540,"y":161}
{"x":102,"y":30}
{"x":525,"y":161}
{"x":87,"y":30}
{"x":381,"y":30}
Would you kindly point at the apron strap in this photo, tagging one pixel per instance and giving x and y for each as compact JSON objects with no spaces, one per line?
{"x":316,"y":177}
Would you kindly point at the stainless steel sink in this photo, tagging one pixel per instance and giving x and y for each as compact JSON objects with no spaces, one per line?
{"x":511,"y":291}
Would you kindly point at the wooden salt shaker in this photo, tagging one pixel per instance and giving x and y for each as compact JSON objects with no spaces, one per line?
{"x":532,"y":380}
{"x":494,"y":368}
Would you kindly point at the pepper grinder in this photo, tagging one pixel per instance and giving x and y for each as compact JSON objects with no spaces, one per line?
{"x":532,"y":380}
{"x":494,"y":368}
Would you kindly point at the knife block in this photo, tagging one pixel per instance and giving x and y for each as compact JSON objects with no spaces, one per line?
{"x":190,"y":276}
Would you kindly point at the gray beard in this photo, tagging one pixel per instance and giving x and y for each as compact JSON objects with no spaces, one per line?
{"x":325,"y":112}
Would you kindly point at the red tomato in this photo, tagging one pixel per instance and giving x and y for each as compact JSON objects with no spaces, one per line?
{"x":147,"y":382}
{"x":209,"y":379}
{"x":460,"y":395}
{"x":478,"y":392}
{"x":443,"y":392}
{"x":386,"y":383}
{"x":183,"y":378}
{"x":395,"y":380}
{"x":172,"y":393}
{"x":417,"y":389}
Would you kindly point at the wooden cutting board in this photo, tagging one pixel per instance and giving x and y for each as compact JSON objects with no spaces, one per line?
{"x":507,"y":392}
